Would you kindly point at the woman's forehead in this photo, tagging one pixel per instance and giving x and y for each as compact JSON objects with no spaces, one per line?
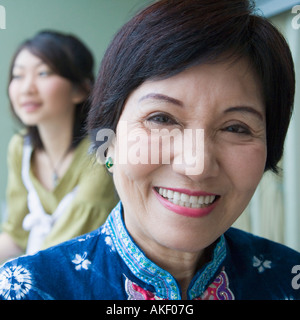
{"x":224,"y":80}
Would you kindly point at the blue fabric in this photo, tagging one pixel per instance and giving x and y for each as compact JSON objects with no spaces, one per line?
{"x":107,"y":264}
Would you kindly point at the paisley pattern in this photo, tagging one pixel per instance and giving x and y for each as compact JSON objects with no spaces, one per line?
{"x":219,"y":289}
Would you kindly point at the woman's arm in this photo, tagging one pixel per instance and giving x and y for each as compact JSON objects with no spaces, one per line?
{"x":8,"y":248}
{"x":13,"y":239}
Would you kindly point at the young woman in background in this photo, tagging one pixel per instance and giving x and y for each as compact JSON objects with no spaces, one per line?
{"x":55,"y":191}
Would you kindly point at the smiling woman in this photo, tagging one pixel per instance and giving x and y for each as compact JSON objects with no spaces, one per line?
{"x":234,"y":155}
{"x":177,"y":67}
{"x":56,"y":97}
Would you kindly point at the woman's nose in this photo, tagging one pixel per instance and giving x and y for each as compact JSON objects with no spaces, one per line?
{"x":198,"y":158}
{"x":28,"y":84}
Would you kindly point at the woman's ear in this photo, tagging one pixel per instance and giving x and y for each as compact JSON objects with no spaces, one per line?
{"x":80,"y":92}
{"x":78,"y":95}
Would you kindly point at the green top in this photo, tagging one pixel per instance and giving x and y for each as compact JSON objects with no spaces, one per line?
{"x":93,"y":202}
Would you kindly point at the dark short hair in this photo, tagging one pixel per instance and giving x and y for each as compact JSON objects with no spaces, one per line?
{"x":170,"y":36}
{"x":68,"y":57}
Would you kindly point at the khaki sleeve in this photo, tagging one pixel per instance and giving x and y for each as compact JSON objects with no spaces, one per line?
{"x":16,"y":194}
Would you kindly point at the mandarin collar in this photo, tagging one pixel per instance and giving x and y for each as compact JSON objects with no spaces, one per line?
{"x":165,"y":285}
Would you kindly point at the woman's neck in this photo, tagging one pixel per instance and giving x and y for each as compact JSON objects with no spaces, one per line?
{"x":56,"y":138}
{"x":183,"y":268}
{"x":50,"y":164}
{"x":181,"y":265}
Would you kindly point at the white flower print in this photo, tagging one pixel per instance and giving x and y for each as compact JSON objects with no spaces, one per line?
{"x":261,"y":264}
{"x":104,"y":229}
{"x":81,"y":262}
{"x":15,"y":282}
{"x":108,"y":240}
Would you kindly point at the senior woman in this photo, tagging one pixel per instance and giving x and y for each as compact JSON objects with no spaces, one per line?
{"x":205,"y":75}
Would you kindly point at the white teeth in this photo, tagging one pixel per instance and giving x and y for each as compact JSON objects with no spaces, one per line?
{"x":165,"y":192}
{"x":176,"y":196}
{"x":184,"y":200}
{"x":184,"y":197}
{"x":207,"y":200}
{"x":193,"y":199}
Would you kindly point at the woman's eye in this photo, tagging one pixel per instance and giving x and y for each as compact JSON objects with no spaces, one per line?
{"x":44,"y":73}
{"x":16,"y":76}
{"x":238,"y":129}
{"x":162,"y":119}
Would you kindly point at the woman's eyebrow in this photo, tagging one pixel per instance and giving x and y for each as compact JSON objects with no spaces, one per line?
{"x":161,"y":97}
{"x":246,"y":109}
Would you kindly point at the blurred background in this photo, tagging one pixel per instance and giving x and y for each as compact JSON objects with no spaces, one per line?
{"x":274,"y":211}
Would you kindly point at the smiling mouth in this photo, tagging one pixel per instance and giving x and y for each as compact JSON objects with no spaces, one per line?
{"x":185,"y":200}
{"x":31,"y":106}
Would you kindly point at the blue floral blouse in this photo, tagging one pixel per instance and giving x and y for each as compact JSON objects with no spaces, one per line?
{"x":106,"y":264}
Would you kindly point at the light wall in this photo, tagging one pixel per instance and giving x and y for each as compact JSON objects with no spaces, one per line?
{"x":274,"y":210}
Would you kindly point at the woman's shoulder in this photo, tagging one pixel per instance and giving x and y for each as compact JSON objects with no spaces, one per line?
{"x":241,"y":240}
{"x":260,"y":268}
{"x":15,"y":149}
{"x":16,"y":142}
{"x":27,"y":278}
{"x":258,"y":256}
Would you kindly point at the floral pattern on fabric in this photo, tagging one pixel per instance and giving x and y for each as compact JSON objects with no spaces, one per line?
{"x":218,"y":290}
{"x":108,"y":240}
{"x":261,"y":264}
{"x":15,"y":282}
{"x":81,"y":262}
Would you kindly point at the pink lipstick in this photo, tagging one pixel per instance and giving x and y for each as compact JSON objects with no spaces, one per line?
{"x":186,"y":202}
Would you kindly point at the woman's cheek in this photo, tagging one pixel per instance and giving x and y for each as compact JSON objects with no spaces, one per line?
{"x":246,"y":164}
{"x":133,"y":155}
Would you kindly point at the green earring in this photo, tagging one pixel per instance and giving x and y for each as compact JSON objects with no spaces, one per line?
{"x":109,"y":163}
